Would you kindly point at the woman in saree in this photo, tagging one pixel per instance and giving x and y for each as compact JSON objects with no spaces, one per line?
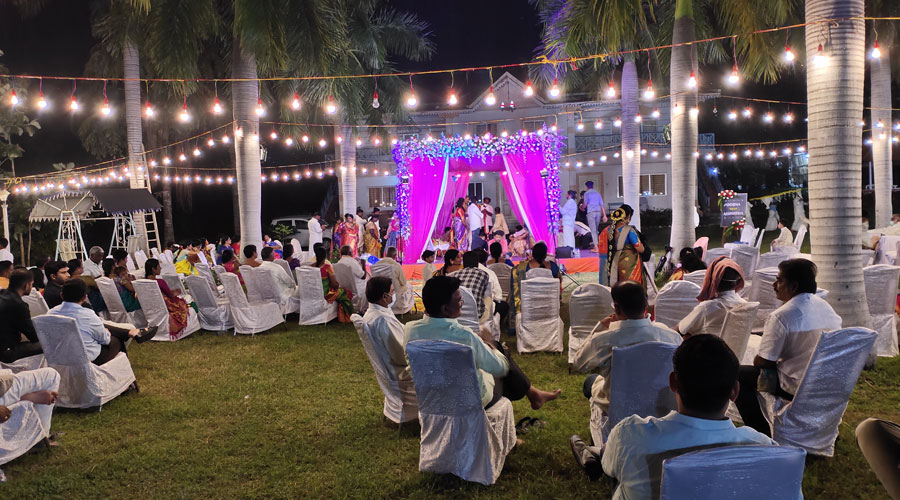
{"x":372,"y":238}
{"x":460,"y":229}
{"x":393,"y":232}
{"x":186,"y":266}
{"x":330,"y":286}
{"x":452,"y":262}
{"x":349,"y":234}
{"x":231,"y":264}
{"x":519,"y":242}
{"x":624,"y":248}
{"x":499,"y":222}
{"x":177,"y":307}
{"x":688,"y":262}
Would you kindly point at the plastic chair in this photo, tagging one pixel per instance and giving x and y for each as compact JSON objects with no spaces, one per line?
{"x":400,"y":404}
{"x":157,"y":314}
{"x":881,"y":297}
{"x":588,"y":304}
{"x":737,"y":327}
{"x":458,"y":435}
{"x":538,"y":325}
{"x":249,"y":317}
{"x":675,"y":301}
{"x":314,"y":309}
{"x":213,"y":313}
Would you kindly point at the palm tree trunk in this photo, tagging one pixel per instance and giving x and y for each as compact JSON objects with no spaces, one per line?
{"x":246,"y":149}
{"x":347,"y":154}
{"x":631,"y":141}
{"x":684,"y":129}
{"x":835,"y":97}
{"x":131,"y":63}
{"x":880,"y":81}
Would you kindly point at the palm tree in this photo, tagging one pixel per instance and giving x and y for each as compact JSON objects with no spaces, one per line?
{"x":880,"y":91}
{"x":835,"y":106}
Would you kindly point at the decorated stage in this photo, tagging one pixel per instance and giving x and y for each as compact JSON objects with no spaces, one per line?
{"x":588,"y":264}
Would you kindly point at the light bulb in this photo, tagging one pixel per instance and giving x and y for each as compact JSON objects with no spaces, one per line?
{"x":788,"y":118}
{"x":358,"y":142}
{"x":149,"y":112}
{"x":554,"y":89}
{"x":295,"y":102}
{"x":105,"y":110}
{"x":260,"y":110}
{"x":692,"y":80}
{"x":876,"y":51}
{"x":185,"y":115}
{"x":655,"y":113}
{"x":611,"y":90}
{"x":820,"y":59}
{"x":304,"y":139}
{"x":801,"y":148}
{"x":598,"y":124}
{"x":41,"y":102}
{"x":696,"y":154}
{"x":732,"y":115}
{"x":211,"y":142}
{"x":786,"y":151}
{"x":618,"y":122}
{"x":197,"y":152}
{"x":768,"y":118}
{"x":695,"y":111}
{"x":654,"y":153}
{"x":166,"y":160}
{"x":637,"y":118}
{"x":880,"y":124}
{"x":747,"y":112}
{"x":375,"y":103}
{"x":273,"y":135}
{"x":709,"y":156}
{"x":411,"y":100}
{"x":217,"y":107}
{"x":748,"y":153}
{"x":73,"y":104}
{"x":226,"y":139}
{"x":13,"y":99}
{"x":182,"y":157}
{"x":490,"y":100}
{"x":734,"y":78}
{"x":288,"y":141}
{"x":720,"y":156}
{"x":732,"y":156}
{"x":760,"y":153}
{"x":330,"y":106}
{"x":339,"y":139}
{"x":649,"y":93}
{"x":322,"y":143}
{"x":529,"y":89}
{"x":451,"y":99}
{"x":788,"y":54}
{"x":580,"y":125}
{"x":376,"y":141}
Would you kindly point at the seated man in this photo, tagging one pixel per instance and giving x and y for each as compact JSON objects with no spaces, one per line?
{"x":57,"y":274}
{"x":250,"y":256}
{"x":15,"y":320}
{"x":388,"y":266}
{"x":5,"y":254}
{"x":500,"y":305}
{"x":101,"y":343}
{"x":40,"y":279}
{"x":38,"y":386}
{"x":6,"y":268}
{"x":628,"y":325}
{"x":93,"y":266}
{"x":789,"y":339}
{"x":724,"y":279}
{"x":785,"y":237}
{"x":498,"y":375}
{"x":286,"y":285}
{"x":704,"y":380}
{"x":475,"y":280}
{"x":387,"y":330}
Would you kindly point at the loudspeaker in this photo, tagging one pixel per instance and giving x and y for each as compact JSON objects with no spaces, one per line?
{"x":563,"y":252}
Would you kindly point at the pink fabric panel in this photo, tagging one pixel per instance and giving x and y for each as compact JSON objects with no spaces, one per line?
{"x":525,"y":176}
{"x":425,"y":188}
{"x":455,"y":190}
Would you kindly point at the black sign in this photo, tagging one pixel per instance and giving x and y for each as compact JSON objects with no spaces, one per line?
{"x":734,"y":209}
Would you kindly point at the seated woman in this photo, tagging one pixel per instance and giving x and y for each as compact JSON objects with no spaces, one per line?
{"x":538,"y":260}
{"x":95,"y":300}
{"x":231,"y":264}
{"x":122,"y":279}
{"x":287,"y":254}
{"x":718,"y":296}
{"x":519,"y":242}
{"x":333,"y":292}
{"x":224,"y":244}
{"x":452,"y":262}
{"x":689,"y":261}
{"x":186,"y":267}
{"x":177,"y":307}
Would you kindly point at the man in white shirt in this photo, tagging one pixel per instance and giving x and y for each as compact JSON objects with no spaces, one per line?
{"x":596,"y":210}
{"x":315,"y":229}
{"x":487,"y":212}
{"x":789,"y":339}
{"x":628,"y":325}
{"x":286,"y":285}
{"x":92,"y":266}
{"x":39,"y":386}
{"x":360,"y":228}
{"x":704,"y":380}
{"x":390,"y":268}
{"x":476,"y":221}
{"x":5,"y":254}
{"x":718,"y":296}
{"x":569,"y":211}
{"x":387,"y":331}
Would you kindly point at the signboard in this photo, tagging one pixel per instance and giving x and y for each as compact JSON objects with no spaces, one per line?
{"x":734,"y":209}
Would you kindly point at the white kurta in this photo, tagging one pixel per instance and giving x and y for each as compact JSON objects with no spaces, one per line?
{"x":315,"y":232}
{"x":476,"y":219}
{"x":569,"y":211}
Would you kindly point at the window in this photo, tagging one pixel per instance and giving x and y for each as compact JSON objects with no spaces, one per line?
{"x":532,"y":125}
{"x":651,"y":185}
{"x":483,"y":128}
{"x":475,"y":191}
{"x":381,"y":196}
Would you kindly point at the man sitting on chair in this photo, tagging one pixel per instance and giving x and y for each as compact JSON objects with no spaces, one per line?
{"x":723,"y":280}
{"x":286,"y":285}
{"x":498,"y":375}
{"x":387,"y":330}
{"x":6,"y":269}
{"x":38,"y":386}
{"x":704,"y":380}
{"x":789,"y":339}
{"x":250,"y":256}
{"x":628,"y":325}
{"x":785,"y":238}
{"x":15,"y":320}
{"x":475,"y":280}
{"x":93,"y":266}
{"x":389,"y":266}
{"x":57,"y":274}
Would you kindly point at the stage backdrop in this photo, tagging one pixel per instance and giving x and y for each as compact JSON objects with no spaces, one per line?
{"x":434,"y":173}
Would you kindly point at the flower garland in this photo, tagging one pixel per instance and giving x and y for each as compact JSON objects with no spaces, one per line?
{"x":737,"y":225}
{"x":548,"y":142}
{"x":726,"y":194}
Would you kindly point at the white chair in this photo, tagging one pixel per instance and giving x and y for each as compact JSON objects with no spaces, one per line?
{"x":741,"y":472}
{"x":21,"y":432}
{"x":404,"y":301}
{"x":314,"y":309}
{"x":219,"y":270}
{"x":155,"y":253}
{"x":675,"y":301}
{"x":157,"y":314}
{"x":130,"y":266}
{"x":82,"y":383}
{"x":175,"y":283}
{"x":213,"y":312}
{"x":538,"y":272}
{"x":745,"y":256}
{"x":400,"y":403}
{"x":203,"y":259}
{"x":772,"y":259}
{"x":114,"y":305}
{"x":759,"y":240}
{"x":737,"y":327}
{"x":538,"y":325}
{"x":881,"y":297}
{"x":204,"y":272}
{"x":458,"y":435}
{"x":868,"y":257}
{"x":811,"y":420}
{"x":298,"y":250}
{"x":714,"y":253}
{"x":588,"y":304}
{"x":696,"y":277}
{"x":140,"y":258}
{"x":25,"y":364}
{"x":503,"y":272}
{"x":344,"y":274}
{"x":761,"y":291}
{"x":801,"y":235}
{"x":167,"y":268}
{"x":286,"y":266}
{"x":270,"y":291}
{"x":469,"y":316}
{"x":254,"y":289}
{"x":639,"y":386}
{"x":249,"y":317}
{"x":169,"y":256}
{"x":36,"y":303}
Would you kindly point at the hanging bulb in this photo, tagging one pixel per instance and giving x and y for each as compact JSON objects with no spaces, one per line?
{"x":695,"y":111}
{"x":490,"y":100}
{"x":211,"y":142}
{"x":41,"y":102}
{"x":580,"y":125}
{"x":732,"y":115}
{"x":820,"y":59}
{"x":876,"y":51}
{"x":637,"y":118}
{"x":322,"y":143}
{"x":768,"y":118}
{"x":288,"y":141}
{"x":260,"y":110}
{"x":295,"y":102}
{"x":734,"y":78}
{"x":182,"y":157}
{"x":105,"y":110}
{"x":330,"y":106}
{"x":529,"y":89}
{"x":340,"y":139}
{"x":73,"y":103}
{"x":197,"y":152}
{"x":747,"y":112}
{"x":304,"y":139}
{"x":451,"y":99}
{"x":649,"y":93}
{"x":692,"y":80}
{"x":376,"y":140}
{"x":788,"y":118}
{"x":655,"y":113}
{"x":554,"y":89}
{"x":185,"y":115}
{"x":166,"y":160}
{"x":225,"y":139}
{"x":611,"y":90}
{"x":788,"y":54}
{"x":375,"y":103}
{"x":412,"y":101}
{"x":618,"y":122}
{"x":149,"y":112}
{"x":13,"y":99}
{"x":273,"y":135}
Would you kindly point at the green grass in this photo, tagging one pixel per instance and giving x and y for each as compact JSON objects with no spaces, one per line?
{"x":297,"y":413}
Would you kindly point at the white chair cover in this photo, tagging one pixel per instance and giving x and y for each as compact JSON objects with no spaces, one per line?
{"x":346,"y":279}
{"x":714,"y":253}
{"x":772,"y":259}
{"x":140,"y":258}
{"x":458,"y":436}
{"x":82,"y":384}
{"x":36,"y":303}
{"x":22,"y":431}
{"x":742,"y":472}
{"x":881,"y":296}
{"x":503,"y":272}
{"x":157,"y":314}
{"x":25,"y":364}
{"x":287,"y":268}
{"x":761,"y":291}
{"x":538,"y":272}
{"x":811,"y":420}
{"x":204,"y":272}
{"x":213,"y":312}
{"x":801,"y":235}
{"x":759,"y":240}
{"x":220,"y":270}
{"x":170,"y":257}
{"x":538,"y":326}
{"x":129,"y":264}
{"x":249,"y":317}
{"x":400,"y":403}
{"x":155,"y":253}
{"x":588,"y":304}
{"x":745,"y":256}
{"x":115,"y":307}
{"x":696,"y":277}
{"x":175,"y":284}
{"x":469,"y":316}
{"x":270,"y":291}
{"x":675,"y":301}
{"x":737,"y":326}
{"x":203,"y":259}
{"x":167,"y":268}
{"x":298,"y":250}
{"x":868,"y":256}
{"x":314,"y":309}
{"x":404,"y":302}
{"x":254,"y":293}
{"x":639,"y":386}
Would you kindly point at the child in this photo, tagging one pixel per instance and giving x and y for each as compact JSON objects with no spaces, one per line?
{"x":428,"y":270}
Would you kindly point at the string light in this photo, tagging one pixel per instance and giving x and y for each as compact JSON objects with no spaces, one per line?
{"x":732,"y":115}
{"x":788,"y":117}
{"x":820,"y":59}
{"x":41,"y":102}
{"x":73,"y":102}
{"x":655,"y":113}
{"x":260,"y":109}
{"x":490,"y":100}
{"x":330,"y":106}
{"x":452,"y":100}
{"x":288,"y":142}
{"x":295,"y":102}
{"x":211,"y":142}
{"x":649,"y":93}
{"x":692,"y":80}
{"x":273,"y":135}
{"x":166,"y":160}
{"x":554,"y":89}
{"x":695,"y":111}
{"x":529,"y":89}
{"x":598,"y":124}
{"x":185,"y":115}
{"x":788,"y":54}
{"x":182,"y":157}
{"x":747,"y":112}
{"x":197,"y":152}
{"x":618,"y":122}
{"x":768,"y":118}
{"x":225,"y":139}
{"x":322,"y":142}
{"x":579,"y":125}
{"x":13,"y":98}
{"x":637,"y":118}
{"x":411,"y":101}
{"x":149,"y":112}
{"x":105,"y":110}
{"x":217,"y":107}
{"x":734,"y":78}
{"x":876,"y":51}
{"x":304,"y":139}
{"x":611,"y":90}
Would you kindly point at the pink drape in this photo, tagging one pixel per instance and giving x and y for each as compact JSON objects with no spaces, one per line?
{"x":524,"y":186}
{"x":425,"y":179}
{"x":455,"y":189}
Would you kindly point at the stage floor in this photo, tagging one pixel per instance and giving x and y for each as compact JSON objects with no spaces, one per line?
{"x":587,"y":263}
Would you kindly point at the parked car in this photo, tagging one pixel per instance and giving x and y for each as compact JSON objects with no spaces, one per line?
{"x":300,"y":225}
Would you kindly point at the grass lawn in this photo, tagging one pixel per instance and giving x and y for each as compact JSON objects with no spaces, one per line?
{"x":297,"y":414}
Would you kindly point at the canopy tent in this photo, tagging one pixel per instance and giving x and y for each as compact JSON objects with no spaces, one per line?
{"x":434,"y":173}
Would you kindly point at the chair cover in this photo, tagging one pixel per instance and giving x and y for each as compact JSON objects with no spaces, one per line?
{"x":737,"y":326}
{"x":696,"y":277}
{"x":538,"y":272}
{"x":254,"y":293}
{"x":248,"y":317}
{"x":155,"y":253}
{"x":36,"y":303}
{"x":271,"y":292}
{"x":287,"y":268}
{"x":344,"y":274}
{"x":400,"y":403}
{"x":115,"y":307}
{"x":298,"y":250}
{"x":213,"y":312}
{"x":25,"y":364}
{"x":82,"y":384}
{"x":458,"y":436}
{"x":702,"y":242}
{"x":404,"y":301}
{"x":169,"y":256}
{"x":868,"y":256}
{"x":745,"y":256}
{"x":538,"y":326}
{"x":675,"y":301}
{"x":588,"y":304}
{"x":202,"y":257}
{"x":469,"y":316}
{"x":761,"y":291}
{"x":219,"y":269}
{"x":811,"y":420}
{"x":640,"y":386}
{"x":129,"y":264}
{"x":157,"y":314}
{"x":167,"y":268}
{"x":759,"y":240}
{"x":881,"y":296}
{"x":772,"y":259}
{"x":140,"y":258}
{"x":714,"y":253}
{"x":503,"y":273}
{"x":204,"y":272}
{"x":801,"y":235}
{"x":22,"y":431}
{"x":314,"y":309}
{"x":175,"y":283}
{"x":742,"y":472}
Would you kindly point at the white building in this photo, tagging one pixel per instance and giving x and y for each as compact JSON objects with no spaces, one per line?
{"x":592,"y":154}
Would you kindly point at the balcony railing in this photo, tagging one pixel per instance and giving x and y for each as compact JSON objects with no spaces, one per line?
{"x":585,"y":143}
